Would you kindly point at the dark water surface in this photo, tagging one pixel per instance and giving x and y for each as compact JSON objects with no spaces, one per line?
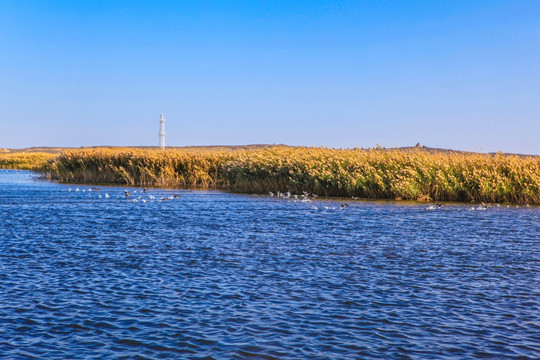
{"x":218,"y":275}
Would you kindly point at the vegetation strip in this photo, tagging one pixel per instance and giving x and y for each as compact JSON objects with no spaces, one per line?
{"x":35,"y":161}
{"x":374,"y":173}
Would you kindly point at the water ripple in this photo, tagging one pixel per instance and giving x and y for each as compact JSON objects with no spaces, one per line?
{"x":211,"y":275}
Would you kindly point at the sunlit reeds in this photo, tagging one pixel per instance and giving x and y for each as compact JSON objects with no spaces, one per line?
{"x":373,"y":173}
{"x":141,"y":167}
{"x":36,"y":161}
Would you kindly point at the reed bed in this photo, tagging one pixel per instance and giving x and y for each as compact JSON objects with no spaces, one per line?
{"x":375,"y":173}
{"x":138,"y":167}
{"x":36,"y":161}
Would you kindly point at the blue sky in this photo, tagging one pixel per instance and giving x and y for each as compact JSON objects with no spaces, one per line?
{"x":452,"y":74}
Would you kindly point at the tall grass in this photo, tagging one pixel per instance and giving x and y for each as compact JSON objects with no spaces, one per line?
{"x":329,"y":172}
{"x":141,"y":167}
{"x":36,"y":161}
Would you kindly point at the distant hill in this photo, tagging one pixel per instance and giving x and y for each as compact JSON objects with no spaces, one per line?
{"x":201,"y":148}
{"x":45,"y":149}
{"x":210,"y":148}
{"x":420,"y":147}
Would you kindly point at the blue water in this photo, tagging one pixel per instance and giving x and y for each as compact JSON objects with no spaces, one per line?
{"x":217,"y":275}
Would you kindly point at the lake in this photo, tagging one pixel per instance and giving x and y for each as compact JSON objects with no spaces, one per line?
{"x":210,"y":274}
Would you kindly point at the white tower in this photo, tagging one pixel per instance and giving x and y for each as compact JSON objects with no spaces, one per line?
{"x":161,"y":133}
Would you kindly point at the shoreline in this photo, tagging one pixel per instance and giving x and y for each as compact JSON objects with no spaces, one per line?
{"x":408,"y":202}
{"x":366,"y":174}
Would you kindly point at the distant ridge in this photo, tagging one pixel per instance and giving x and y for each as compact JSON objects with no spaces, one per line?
{"x":57,"y":150}
{"x":420,"y":147}
{"x":41,"y":149}
{"x":206,"y":148}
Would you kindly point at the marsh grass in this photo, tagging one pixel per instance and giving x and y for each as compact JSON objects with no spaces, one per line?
{"x":141,"y":167}
{"x":36,"y":161}
{"x":375,"y":173}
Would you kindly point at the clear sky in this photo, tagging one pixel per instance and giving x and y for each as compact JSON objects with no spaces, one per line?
{"x":452,"y":74}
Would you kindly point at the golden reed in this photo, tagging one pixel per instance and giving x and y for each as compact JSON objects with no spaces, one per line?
{"x":35,"y":161}
{"x":374,"y":173}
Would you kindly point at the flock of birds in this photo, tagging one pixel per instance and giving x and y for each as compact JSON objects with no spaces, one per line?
{"x":305,"y":198}
{"x":134,"y":197}
{"x":481,"y":207}
{"x":131,"y":195}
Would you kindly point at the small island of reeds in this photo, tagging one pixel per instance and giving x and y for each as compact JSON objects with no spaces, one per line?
{"x":373,"y":173}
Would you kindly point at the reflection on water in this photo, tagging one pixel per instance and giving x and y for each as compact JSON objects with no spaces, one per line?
{"x":211,"y":274}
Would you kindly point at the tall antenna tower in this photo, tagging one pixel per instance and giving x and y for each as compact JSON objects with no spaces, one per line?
{"x":161,"y":133}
